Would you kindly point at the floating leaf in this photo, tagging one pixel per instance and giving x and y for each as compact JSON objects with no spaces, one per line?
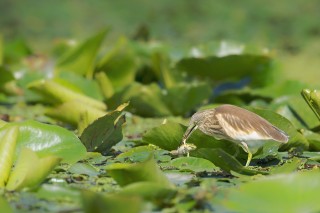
{"x":145,"y":100}
{"x":231,"y":67}
{"x":100,"y":203}
{"x":313,"y":100}
{"x":296,"y":192}
{"x":119,"y":64}
{"x":182,"y":98}
{"x":57,"y":93}
{"x":152,"y":191}
{"x":81,"y":58}
{"x":47,"y":140}
{"x":80,"y":84}
{"x":7,"y":151}
{"x":193,"y":164}
{"x":290,"y":166}
{"x":296,"y":139}
{"x":83,"y":168}
{"x":105,"y":84}
{"x":72,"y":112}
{"x":5,"y":206}
{"x":224,"y":160}
{"x":169,"y":136}
{"x":104,"y":132}
{"x":30,"y":170}
{"x":148,"y":170}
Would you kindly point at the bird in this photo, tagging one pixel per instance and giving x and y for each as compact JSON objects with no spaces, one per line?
{"x":234,"y":124}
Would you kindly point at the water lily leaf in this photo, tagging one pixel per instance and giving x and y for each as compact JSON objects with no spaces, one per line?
{"x":224,"y":160}
{"x":298,"y":191}
{"x":228,"y":68}
{"x":104,"y":132}
{"x":80,"y":84}
{"x":58,"y":93}
{"x":73,"y":112}
{"x":148,"y":170}
{"x":7,"y":151}
{"x":81,"y":59}
{"x":100,"y":203}
{"x":182,"y":98}
{"x":47,"y":140}
{"x":151,"y":191}
{"x":30,"y":170}
{"x":313,"y":100}
{"x":296,"y":139}
{"x":119,"y":64}
{"x":288,"y":167}
{"x":161,"y":69}
{"x":169,"y":137}
{"x":313,"y":139}
{"x":83,"y":168}
{"x":5,"y":206}
{"x":145,"y":100}
{"x":193,"y":164}
{"x":59,"y":192}
{"x":104,"y":84}
{"x":289,"y":87}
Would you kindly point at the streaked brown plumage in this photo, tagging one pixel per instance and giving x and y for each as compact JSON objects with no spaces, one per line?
{"x":234,"y":124}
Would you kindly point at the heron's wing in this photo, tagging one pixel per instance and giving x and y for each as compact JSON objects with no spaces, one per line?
{"x":245,"y":125}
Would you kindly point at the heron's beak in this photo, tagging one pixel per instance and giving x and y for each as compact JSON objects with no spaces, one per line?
{"x":188,"y":132}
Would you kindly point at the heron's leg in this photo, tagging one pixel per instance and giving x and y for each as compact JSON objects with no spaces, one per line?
{"x":246,"y":149}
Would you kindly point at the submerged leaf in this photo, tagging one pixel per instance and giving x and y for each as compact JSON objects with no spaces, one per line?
{"x":30,"y":170}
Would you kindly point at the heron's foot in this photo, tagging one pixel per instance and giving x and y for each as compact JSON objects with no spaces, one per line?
{"x":184,"y":149}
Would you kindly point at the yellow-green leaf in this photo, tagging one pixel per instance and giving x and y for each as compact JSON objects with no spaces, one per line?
{"x":7,"y":152}
{"x":30,"y":170}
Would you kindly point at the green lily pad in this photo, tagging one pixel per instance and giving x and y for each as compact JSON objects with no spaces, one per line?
{"x":101,"y":203}
{"x":145,"y":100}
{"x":104,"y":132}
{"x":47,"y":140}
{"x":224,"y":160}
{"x":152,"y":191}
{"x":119,"y":64}
{"x":7,"y":152}
{"x":83,"y":168}
{"x":30,"y":170}
{"x":81,"y":59}
{"x":313,"y":100}
{"x":182,"y":98}
{"x":169,"y":137}
{"x":193,"y":164}
{"x":231,"y":67}
{"x":296,"y":192}
{"x":5,"y":206}
{"x":148,"y":170}
{"x":296,"y":139}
